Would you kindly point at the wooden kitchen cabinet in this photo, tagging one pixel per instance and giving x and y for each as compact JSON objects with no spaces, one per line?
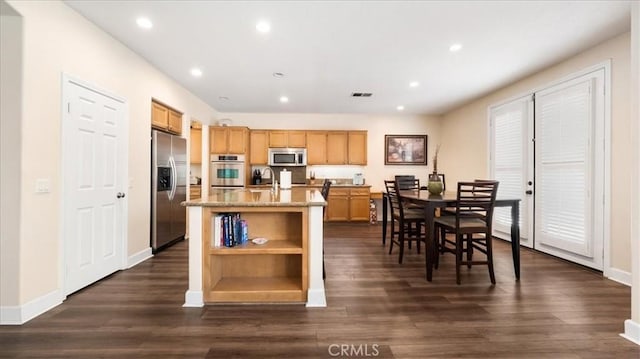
{"x":165,"y":118}
{"x":359,"y":204}
{"x":317,"y":147}
{"x":337,"y":147}
{"x":327,"y":147}
{"x":195,"y":192}
{"x":357,"y":148}
{"x":196,"y":146}
{"x":258,"y":147}
{"x":228,"y":139}
{"x":338,"y":204}
{"x":175,"y":122}
{"x":284,"y":138}
{"x":348,"y":204}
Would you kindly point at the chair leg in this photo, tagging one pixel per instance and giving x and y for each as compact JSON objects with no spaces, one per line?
{"x":409,"y":231}
{"x":402,"y":245}
{"x":419,"y":235}
{"x":443,"y":239}
{"x":459,"y":243}
{"x":469,"y":249}
{"x":324,"y":274}
{"x":490,"y":258}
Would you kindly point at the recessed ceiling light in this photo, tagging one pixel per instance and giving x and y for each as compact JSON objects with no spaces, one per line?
{"x":455,"y":47}
{"x":414,"y":84}
{"x":284,"y":99}
{"x":400,"y":108}
{"x":196,"y":72}
{"x":144,"y":22}
{"x":263,"y":27}
{"x":278,"y":75}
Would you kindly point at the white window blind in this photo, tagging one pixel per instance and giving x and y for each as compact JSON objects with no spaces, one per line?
{"x":563,"y":162}
{"x":509,"y":158}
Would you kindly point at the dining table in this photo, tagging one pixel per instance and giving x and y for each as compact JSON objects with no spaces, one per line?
{"x":448,"y":199}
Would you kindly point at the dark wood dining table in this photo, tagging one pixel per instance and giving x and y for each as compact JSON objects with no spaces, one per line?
{"x":448,"y":199}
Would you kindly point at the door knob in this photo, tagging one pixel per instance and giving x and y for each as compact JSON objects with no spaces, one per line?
{"x":120,"y":195}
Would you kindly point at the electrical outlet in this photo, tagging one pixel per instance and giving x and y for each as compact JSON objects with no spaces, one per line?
{"x":43,"y":185}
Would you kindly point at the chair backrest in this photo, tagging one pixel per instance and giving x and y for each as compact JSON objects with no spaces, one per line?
{"x":406,"y":182}
{"x":476,"y":200}
{"x":392,"y":194}
{"x":326,"y":185}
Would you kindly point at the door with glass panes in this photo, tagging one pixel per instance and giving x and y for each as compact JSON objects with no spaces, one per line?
{"x":547,"y":148}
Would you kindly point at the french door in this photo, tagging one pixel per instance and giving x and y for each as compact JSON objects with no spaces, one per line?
{"x":547,"y":148}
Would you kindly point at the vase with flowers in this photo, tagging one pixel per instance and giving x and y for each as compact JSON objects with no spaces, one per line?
{"x":435,"y":185}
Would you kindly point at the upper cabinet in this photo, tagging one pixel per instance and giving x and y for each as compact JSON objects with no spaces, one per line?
{"x":317,"y":148}
{"x":336,"y":147}
{"x":196,"y":145}
{"x":284,"y":138}
{"x":259,"y":148}
{"x":228,"y":139}
{"x":165,"y":118}
{"x":357,"y":145}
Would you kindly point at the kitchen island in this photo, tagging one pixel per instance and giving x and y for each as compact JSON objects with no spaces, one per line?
{"x":287,"y":268}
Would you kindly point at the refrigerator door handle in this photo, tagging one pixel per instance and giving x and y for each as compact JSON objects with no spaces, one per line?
{"x":174,"y":178}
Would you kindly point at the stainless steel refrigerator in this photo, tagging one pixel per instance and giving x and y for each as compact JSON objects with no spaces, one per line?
{"x":168,"y":189}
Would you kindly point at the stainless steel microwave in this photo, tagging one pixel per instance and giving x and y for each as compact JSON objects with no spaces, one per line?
{"x":287,"y":157}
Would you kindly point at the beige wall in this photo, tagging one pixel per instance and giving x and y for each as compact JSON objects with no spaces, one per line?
{"x":377,"y":126}
{"x":464,"y":133}
{"x":10,"y":89}
{"x":56,"y":40}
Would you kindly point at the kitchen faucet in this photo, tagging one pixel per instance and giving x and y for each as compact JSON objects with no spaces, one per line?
{"x":274,"y":183}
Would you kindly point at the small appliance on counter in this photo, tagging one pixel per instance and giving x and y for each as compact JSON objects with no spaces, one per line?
{"x":257,"y":177}
{"x":358,"y":179}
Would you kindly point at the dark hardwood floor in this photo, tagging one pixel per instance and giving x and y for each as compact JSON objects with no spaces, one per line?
{"x":376,"y":308}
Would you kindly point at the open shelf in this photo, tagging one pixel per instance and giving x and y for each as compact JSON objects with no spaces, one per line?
{"x":271,"y":247}
{"x":272,"y":272}
{"x":257,"y":289}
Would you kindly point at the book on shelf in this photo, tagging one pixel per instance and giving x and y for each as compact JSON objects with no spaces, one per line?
{"x":229,"y":230}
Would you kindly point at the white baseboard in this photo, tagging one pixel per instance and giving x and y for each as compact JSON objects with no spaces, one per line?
{"x":18,"y":315}
{"x":139,"y":257}
{"x":316,"y":298}
{"x":619,"y":276}
{"x":193,"y":298}
{"x":631,"y":331}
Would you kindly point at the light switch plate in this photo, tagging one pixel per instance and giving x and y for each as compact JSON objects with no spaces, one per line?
{"x":43,"y":185}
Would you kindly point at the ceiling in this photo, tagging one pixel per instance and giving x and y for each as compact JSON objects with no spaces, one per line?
{"x":328,"y":50}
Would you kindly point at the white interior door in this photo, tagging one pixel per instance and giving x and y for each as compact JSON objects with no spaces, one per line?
{"x":511,"y":148}
{"x":569,"y":169}
{"x":94,"y":173}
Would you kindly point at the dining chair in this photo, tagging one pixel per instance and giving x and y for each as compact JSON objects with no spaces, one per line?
{"x":471,"y":225}
{"x":326,"y":186}
{"x":410,"y":221}
{"x":405,"y":181}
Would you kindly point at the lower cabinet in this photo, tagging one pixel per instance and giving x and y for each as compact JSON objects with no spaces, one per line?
{"x":272,"y":272}
{"x":348,"y":204}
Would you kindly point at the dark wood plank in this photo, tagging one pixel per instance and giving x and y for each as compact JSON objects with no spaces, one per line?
{"x":557,"y":309}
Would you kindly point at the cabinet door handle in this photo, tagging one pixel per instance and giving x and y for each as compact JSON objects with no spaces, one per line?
{"x":529,"y":192}
{"x":120,"y":195}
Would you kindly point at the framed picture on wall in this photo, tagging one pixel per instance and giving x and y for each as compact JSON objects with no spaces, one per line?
{"x":405,"y":150}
